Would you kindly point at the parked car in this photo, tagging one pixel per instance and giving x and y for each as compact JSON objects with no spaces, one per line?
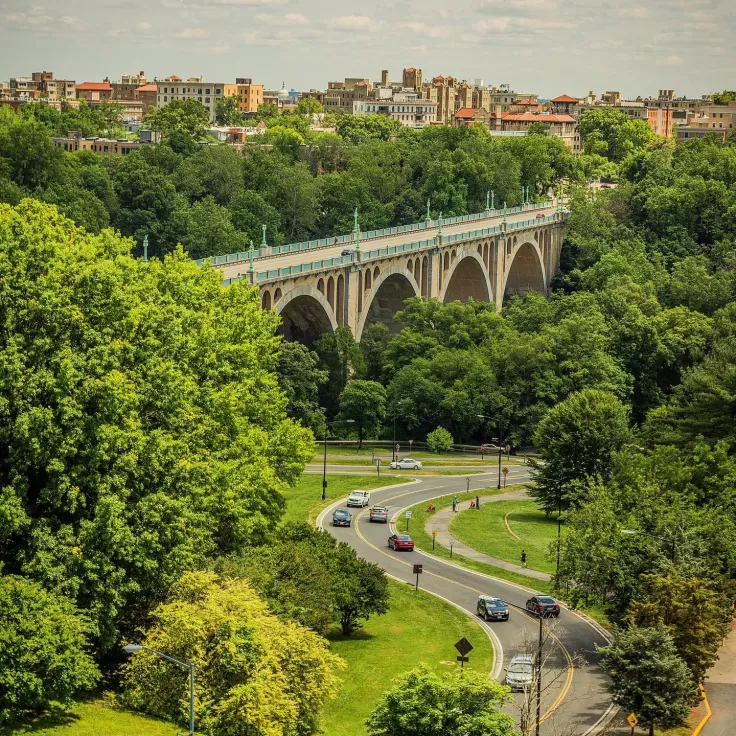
{"x":490,"y":608}
{"x":401,"y":541}
{"x":543,"y":605}
{"x":406,"y":463}
{"x":359,"y":498}
{"x":379,"y":513}
{"x":520,"y":672}
{"x":341,"y":517}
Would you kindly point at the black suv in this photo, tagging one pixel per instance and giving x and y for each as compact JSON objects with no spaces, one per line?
{"x":543,"y":605}
{"x":492,"y":609}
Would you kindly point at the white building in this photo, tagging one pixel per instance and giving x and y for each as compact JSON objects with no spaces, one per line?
{"x":195,"y":88}
{"x":404,"y":107}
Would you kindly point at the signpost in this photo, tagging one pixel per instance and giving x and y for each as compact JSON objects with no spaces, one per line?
{"x":633,"y":720}
{"x":378,"y":466}
{"x":408,"y":516}
{"x":482,"y":451}
{"x":464,"y":647}
{"x":411,"y":442}
{"x":434,"y":536}
{"x":505,"y":472}
{"x":417,"y":572}
{"x":452,"y":542}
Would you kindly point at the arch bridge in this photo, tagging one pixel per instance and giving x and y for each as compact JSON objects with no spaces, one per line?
{"x":359,"y":279}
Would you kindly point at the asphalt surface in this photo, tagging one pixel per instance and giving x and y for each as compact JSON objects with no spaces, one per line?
{"x":575,"y":700}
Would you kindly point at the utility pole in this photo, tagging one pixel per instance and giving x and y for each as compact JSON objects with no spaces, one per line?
{"x":539,"y":675}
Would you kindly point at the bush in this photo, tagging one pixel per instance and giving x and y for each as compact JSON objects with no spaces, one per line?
{"x":439,"y":440}
{"x":42,"y":649}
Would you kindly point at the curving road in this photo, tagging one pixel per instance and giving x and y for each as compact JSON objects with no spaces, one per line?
{"x":576,"y":702}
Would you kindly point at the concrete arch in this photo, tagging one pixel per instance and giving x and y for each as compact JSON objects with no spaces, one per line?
{"x":390,"y":290}
{"x":525,"y":271}
{"x":305,"y":315}
{"x":466,"y":278}
{"x":266,"y":300}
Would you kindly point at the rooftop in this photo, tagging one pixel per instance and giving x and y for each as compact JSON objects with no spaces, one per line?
{"x":564,"y":98}
{"x":532,"y":117}
{"x":95,"y":86}
{"x":147,"y":88}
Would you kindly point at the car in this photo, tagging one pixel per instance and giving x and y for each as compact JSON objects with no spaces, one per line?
{"x":490,"y":608}
{"x":520,"y":672}
{"x":406,"y":463}
{"x":359,"y":498}
{"x":543,"y":605}
{"x":401,"y":541}
{"x":378,"y":513}
{"x":347,"y":252}
{"x":540,"y":216}
{"x":341,"y":517}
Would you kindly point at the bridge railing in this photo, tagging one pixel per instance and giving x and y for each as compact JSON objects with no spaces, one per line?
{"x":369,"y":235}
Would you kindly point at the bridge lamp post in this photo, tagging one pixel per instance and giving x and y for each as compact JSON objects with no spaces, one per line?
{"x":500,"y":445}
{"x":324,"y":461}
{"x":133,"y":648}
{"x":666,"y":540}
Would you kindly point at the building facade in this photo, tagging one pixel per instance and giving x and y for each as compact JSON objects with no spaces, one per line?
{"x":405,"y":107}
{"x":411,"y":78}
{"x":75,"y":142}
{"x":249,"y":95}
{"x":194,"y":88}
{"x":94,"y":91}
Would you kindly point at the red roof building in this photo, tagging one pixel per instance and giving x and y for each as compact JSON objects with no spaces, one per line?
{"x":94,"y":91}
{"x":565,"y":98}
{"x":565,"y":105}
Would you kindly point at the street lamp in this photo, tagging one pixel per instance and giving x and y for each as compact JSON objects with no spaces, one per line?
{"x":324,"y":462}
{"x":666,"y":540}
{"x":500,"y":446}
{"x":133,"y":648}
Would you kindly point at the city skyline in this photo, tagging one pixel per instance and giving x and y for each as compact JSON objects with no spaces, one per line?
{"x":545,"y":47}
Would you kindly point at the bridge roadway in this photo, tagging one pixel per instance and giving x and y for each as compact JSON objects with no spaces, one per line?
{"x":284,"y":260}
{"x":577,"y":703}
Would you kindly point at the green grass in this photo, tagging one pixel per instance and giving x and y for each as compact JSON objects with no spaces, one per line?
{"x":93,"y":718}
{"x":418,"y":628}
{"x":304,"y":501}
{"x":486,"y":531}
{"x":450,"y":458}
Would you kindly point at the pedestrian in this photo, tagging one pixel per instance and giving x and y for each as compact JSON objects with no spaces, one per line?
{"x":454,"y":504}
{"x":373,"y":457}
{"x":523,"y":558}
{"x":477,"y":502}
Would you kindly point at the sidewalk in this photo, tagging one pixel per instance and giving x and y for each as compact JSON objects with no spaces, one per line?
{"x":720,"y":687}
{"x":441,"y":522}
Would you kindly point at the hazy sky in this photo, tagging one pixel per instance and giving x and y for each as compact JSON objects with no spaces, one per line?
{"x":545,"y":46}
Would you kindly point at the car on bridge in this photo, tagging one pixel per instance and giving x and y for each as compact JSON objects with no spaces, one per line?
{"x":341,"y":517}
{"x":359,"y":498}
{"x":520,"y":672}
{"x":490,"y":608}
{"x":543,"y":605}
{"x":347,"y":252}
{"x":379,"y":513}
{"x":406,"y":463}
{"x":401,"y":541}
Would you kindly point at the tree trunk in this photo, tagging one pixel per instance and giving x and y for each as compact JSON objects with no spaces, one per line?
{"x":651,"y":729}
{"x":360,"y":435}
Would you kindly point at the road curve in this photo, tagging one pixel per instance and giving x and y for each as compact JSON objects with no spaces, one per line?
{"x":577,"y":702}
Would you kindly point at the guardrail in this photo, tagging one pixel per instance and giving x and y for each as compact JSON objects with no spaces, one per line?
{"x":369,"y":235}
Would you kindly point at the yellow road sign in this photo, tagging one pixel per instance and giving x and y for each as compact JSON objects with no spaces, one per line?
{"x":505,"y":471}
{"x":434,"y":532}
{"x":632,"y":719}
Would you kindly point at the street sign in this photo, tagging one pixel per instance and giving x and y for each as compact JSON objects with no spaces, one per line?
{"x":397,"y":447}
{"x":505,"y":471}
{"x":408,"y":514}
{"x":417,"y":569}
{"x":434,"y":532}
{"x":463,"y":659}
{"x":452,"y":541}
{"x":632,"y":719}
{"x":411,"y":442}
{"x":464,"y":646}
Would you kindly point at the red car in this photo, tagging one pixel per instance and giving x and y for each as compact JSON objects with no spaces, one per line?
{"x":401,"y":541}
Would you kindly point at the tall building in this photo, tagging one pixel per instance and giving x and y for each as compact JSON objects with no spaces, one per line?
{"x":126,"y":88}
{"x":249,"y":95}
{"x":411,"y":78}
{"x":406,"y":108}
{"x":194,"y":88}
{"x":340,"y":96}
{"x":443,"y":91}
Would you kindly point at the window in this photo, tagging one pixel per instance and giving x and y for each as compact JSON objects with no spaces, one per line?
{"x":207,"y":99}
{"x":166,"y":99}
{"x":207,"y":91}
{"x":200,"y":91}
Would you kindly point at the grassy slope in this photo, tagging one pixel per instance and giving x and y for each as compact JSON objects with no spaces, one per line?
{"x":486,"y":532}
{"x":419,"y":628}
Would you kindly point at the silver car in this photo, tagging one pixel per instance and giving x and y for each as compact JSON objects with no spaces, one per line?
{"x":406,"y":463}
{"x":520,"y":672}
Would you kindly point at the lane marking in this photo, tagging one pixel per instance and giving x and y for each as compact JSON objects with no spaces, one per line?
{"x":506,"y":521}
{"x":708,"y":712}
{"x":570,"y":666}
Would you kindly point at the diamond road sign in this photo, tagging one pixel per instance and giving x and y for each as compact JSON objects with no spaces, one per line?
{"x":464,"y":647}
{"x":632,"y":719}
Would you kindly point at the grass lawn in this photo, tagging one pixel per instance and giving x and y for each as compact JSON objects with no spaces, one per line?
{"x":304,"y":500}
{"x":94,"y":718}
{"x":487,"y":532}
{"x":450,"y":458}
{"x":418,"y":628}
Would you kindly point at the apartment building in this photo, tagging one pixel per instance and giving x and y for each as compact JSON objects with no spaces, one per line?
{"x":341,"y":96}
{"x":411,"y":78}
{"x":563,"y":127}
{"x":147,"y":94}
{"x":75,"y":142}
{"x":406,"y":108}
{"x":94,"y":91}
{"x":194,"y":88}
{"x":249,"y":95}
{"x":443,"y":91}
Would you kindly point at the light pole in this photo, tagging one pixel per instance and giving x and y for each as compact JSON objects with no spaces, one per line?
{"x":324,"y":460}
{"x":559,"y":531}
{"x":666,"y":540}
{"x":133,"y":648}
{"x":500,"y":446}
{"x":539,"y":673}
{"x":393,"y":445}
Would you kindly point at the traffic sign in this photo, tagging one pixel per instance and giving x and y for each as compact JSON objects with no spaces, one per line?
{"x":417,"y":569}
{"x":505,"y":471}
{"x":397,"y":447}
{"x":632,"y":719}
{"x":464,"y":646}
{"x":408,"y":514}
{"x":452,"y":541}
{"x":434,"y":532}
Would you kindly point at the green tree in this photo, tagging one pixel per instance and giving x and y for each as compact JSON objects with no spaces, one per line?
{"x":440,"y":440}
{"x":360,"y":128}
{"x":340,"y":356}
{"x":180,"y":116}
{"x":43,"y":657}
{"x":215,"y":171}
{"x":647,"y":676}
{"x":130,"y":457}
{"x":300,"y":378}
{"x":576,"y":441}
{"x":249,"y":212}
{"x":30,"y":157}
{"x":723,"y":98}
{"x":227,"y":111}
{"x":422,"y":703}
{"x":538,"y":129}
{"x":205,"y":229}
{"x":365,"y":403}
{"x":256,"y":675}
{"x":308,"y":107}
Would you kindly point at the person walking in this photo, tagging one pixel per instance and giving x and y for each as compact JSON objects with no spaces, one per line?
{"x":523,"y":558}
{"x":454,"y":504}
{"x":477,"y":502}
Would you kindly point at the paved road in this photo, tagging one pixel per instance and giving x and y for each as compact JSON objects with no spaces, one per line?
{"x":720,"y":687}
{"x":332,"y":251}
{"x":577,"y":699}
